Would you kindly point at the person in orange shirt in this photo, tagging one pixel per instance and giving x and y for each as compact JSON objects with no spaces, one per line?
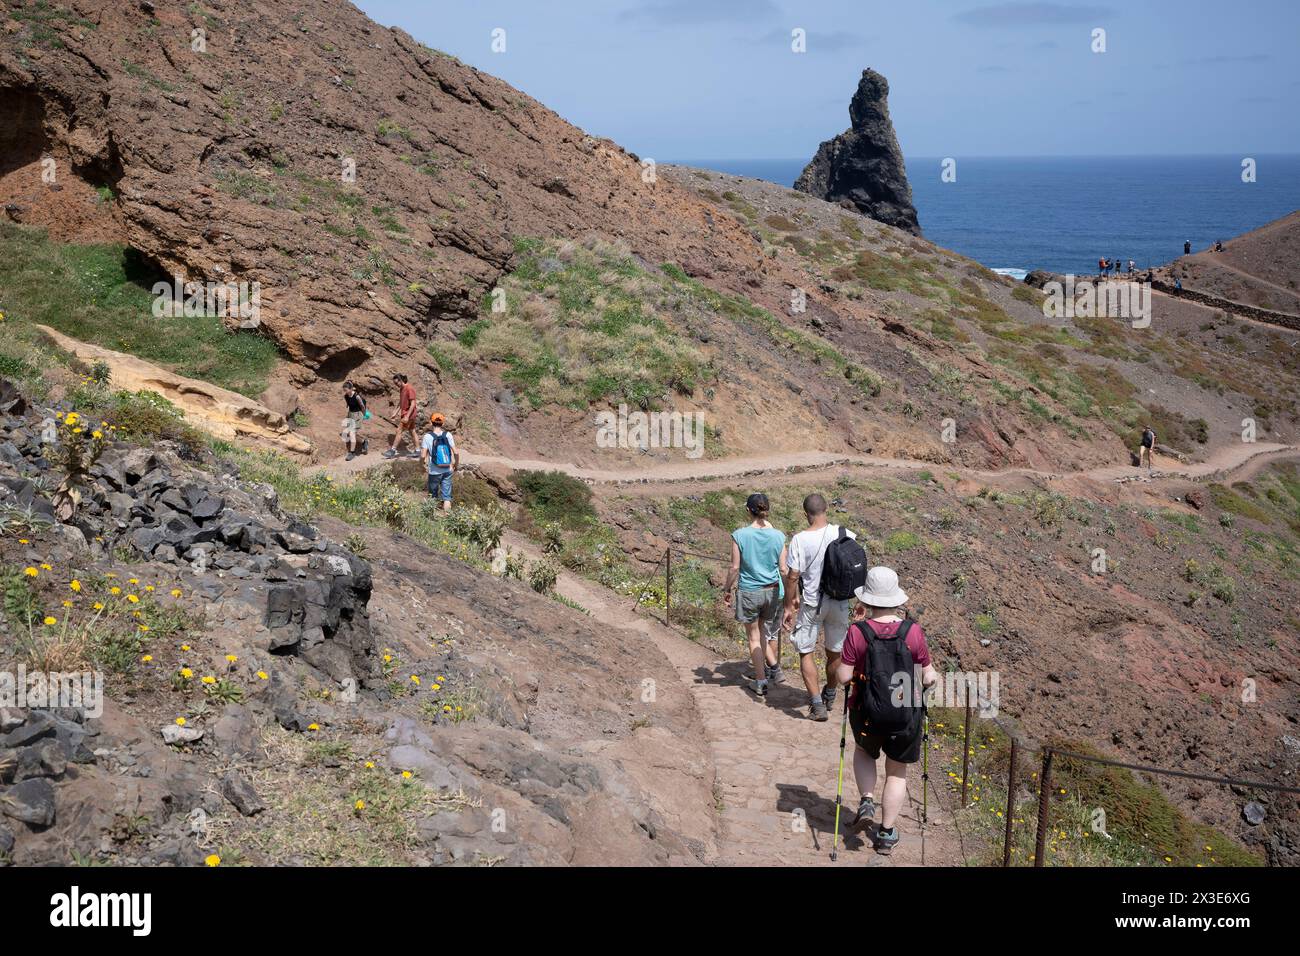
{"x":406,"y":406}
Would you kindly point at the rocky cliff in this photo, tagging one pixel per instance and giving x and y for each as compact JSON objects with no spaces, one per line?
{"x":373,"y":186}
{"x":863,"y":166}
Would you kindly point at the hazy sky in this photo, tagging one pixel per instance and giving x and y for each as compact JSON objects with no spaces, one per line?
{"x":711,"y":79}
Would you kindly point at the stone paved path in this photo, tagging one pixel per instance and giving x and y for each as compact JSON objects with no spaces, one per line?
{"x":775,"y":768}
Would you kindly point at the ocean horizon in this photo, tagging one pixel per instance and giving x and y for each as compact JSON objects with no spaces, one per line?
{"x":1063,"y":213}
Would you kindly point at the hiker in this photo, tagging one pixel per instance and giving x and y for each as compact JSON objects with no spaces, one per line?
{"x":406,"y":417}
{"x":758,"y":564}
{"x":357,"y":413}
{"x":1218,"y":245}
{"x":819,"y":558}
{"x":1147,"y":448}
{"x":1178,"y":283}
{"x":1132,"y":267}
{"x":1102,"y":266}
{"x":881,"y":645}
{"x":439,"y":455}
{"x":1187,"y":248}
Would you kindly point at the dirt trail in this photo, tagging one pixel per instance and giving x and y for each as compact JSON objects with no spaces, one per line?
{"x":1222,"y":463}
{"x":775,"y":769}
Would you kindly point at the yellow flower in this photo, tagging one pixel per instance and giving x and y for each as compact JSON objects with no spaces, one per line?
{"x":71,"y":419}
{"x":49,"y":621}
{"x":132,"y":580}
{"x":388,"y":658}
{"x":435,"y":686}
{"x":261,"y":675}
{"x":313,"y":726}
{"x":180,"y":721}
{"x":147,"y":659}
{"x":213,"y":860}
{"x":370,"y":765}
{"x":209,"y":679}
{"x":46,"y":567}
{"x":67,"y":604}
{"x":186,"y":673}
{"x":176,"y":592}
{"x":98,"y":606}
{"x":232,"y":658}
{"x":96,"y":434}
{"x":30,"y":572}
{"x":359,"y":805}
{"x":115,"y":590}
{"x":406,"y":775}
{"x":148,"y":587}
{"x":415,"y":678}
{"x":23,"y":541}
{"x":133,"y":599}
{"x":143,"y":627}
{"x":185,"y":647}
{"x":75,"y":585}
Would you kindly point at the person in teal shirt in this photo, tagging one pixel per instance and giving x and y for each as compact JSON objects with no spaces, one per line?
{"x":758,"y":566}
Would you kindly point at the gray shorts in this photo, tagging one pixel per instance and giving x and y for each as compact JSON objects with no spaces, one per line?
{"x":761,"y":604}
{"x":830,"y":619}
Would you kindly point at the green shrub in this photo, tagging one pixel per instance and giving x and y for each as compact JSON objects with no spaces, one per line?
{"x":542,"y":576}
{"x":481,"y":526}
{"x":554,"y":496}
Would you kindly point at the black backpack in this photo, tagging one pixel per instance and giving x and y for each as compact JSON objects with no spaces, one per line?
{"x":844,"y":568}
{"x":880,"y":695}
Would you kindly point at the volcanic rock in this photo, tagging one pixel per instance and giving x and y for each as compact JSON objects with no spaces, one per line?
{"x":864,"y":165}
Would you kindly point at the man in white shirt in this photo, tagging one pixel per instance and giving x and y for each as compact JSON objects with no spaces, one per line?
{"x":808,"y":611}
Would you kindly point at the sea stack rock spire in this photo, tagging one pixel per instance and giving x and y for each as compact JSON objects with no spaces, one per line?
{"x":863,"y":166}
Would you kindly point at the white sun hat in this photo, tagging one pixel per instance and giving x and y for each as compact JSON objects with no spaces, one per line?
{"x":881,"y":589}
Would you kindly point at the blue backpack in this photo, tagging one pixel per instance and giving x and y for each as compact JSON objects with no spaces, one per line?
{"x":441,"y":457}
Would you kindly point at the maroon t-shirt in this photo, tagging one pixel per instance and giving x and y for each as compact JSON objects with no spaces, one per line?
{"x":855,"y":647}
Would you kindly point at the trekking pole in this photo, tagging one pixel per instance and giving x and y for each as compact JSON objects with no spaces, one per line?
{"x":925,"y":774}
{"x":839,"y":784}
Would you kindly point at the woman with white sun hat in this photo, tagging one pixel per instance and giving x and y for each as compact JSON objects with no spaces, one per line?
{"x":881,"y":644}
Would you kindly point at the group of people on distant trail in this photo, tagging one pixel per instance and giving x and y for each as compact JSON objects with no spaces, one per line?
{"x":436,"y":449}
{"x":1113,"y":267}
{"x":1187,"y":246}
{"x":805,"y":587}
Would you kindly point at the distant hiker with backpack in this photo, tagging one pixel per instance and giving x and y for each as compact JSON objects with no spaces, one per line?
{"x":406,"y":411}
{"x":357,"y":413}
{"x":1187,"y":248}
{"x":826,"y":566}
{"x":758,"y":564}
{"x":882,"y":655}
{"x":1147,"y":448}
{"x":439,"y":455}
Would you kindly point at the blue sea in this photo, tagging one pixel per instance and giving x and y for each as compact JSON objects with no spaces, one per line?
{"x":1064,"y":213}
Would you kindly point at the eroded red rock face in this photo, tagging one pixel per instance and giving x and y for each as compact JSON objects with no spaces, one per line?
{"x":374,"y":187}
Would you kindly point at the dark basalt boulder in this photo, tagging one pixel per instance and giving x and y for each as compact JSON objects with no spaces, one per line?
{"x":863,"y":167}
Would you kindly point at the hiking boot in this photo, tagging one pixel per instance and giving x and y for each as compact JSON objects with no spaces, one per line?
{"x":774,"y":674}
{"x":817,"y":711}
{"x":412,"y":454}
{"x":365,"y":446}
{"x":885,"y":840}
{"x":866,"y":810}
{"x":759,"y":687}
{"x":828,"y":696}
{"x":391,"y":453}
{"x":350,"y":456}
